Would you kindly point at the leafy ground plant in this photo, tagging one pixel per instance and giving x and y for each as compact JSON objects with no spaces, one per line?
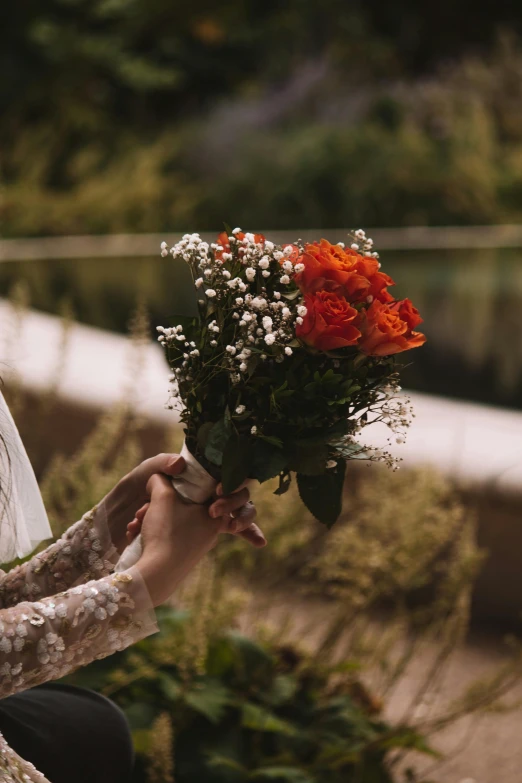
{"x":258,"y":712}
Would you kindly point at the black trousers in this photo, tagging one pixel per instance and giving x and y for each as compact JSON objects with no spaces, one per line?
{"x":70,"y":734}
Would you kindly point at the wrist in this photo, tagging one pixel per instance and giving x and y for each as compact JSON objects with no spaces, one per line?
{"x":151,"y":570}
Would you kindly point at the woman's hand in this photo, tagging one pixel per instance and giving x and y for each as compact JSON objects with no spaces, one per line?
{"x":130,"y":494}
{"x":235,"y":515}
{"x":176,"y":535}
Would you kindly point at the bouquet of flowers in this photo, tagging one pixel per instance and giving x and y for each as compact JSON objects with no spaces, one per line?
{"x":292,"y":352}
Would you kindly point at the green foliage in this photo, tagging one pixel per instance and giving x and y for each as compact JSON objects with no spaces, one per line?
{"x":323,"y":494}
{"x":169,"y":113}
{"x":257,"y":713}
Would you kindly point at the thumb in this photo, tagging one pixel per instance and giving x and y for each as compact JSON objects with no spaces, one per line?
{"x":169,"y":464}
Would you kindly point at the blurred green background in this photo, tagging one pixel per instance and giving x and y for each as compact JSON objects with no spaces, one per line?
{"x":123,"y":116}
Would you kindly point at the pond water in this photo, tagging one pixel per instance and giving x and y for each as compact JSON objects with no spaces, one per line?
{"x":471,"y":301}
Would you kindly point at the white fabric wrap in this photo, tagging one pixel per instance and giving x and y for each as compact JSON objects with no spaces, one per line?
{"x":194,"y":485}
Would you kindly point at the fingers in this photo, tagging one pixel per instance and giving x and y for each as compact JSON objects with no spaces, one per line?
{"x":219,"y":488}
{"x":140,"y":513}
{"x":229,"y":504}
{"x":254,"y":535}
{"x":169,"y":464}
{"x":134,"y":527}
{"x":241,"y":519}
{"x":133,"y":530}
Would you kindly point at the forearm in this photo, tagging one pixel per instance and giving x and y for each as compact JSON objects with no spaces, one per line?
{"x":45,"y":640}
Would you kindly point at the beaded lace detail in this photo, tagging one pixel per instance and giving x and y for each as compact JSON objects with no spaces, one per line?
{"x":61,"y":610}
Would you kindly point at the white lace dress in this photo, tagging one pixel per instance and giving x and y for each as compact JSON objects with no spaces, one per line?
{"x":61,"y":610}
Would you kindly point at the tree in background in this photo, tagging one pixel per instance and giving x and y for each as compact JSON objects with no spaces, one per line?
{"x":155,"y":114}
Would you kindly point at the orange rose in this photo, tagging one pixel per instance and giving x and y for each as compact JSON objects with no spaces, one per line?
{"x":388,"y":328}
{"x":223,"y":240}
{"x":328,"y":323}
{"x":334,"y":268}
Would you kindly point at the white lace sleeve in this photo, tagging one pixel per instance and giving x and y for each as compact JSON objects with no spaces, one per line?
{"x":44,"y":640}
{"x":84,"y":552}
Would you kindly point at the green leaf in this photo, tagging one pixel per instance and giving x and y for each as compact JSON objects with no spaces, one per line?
{"x":235,"y":466}
{"x":223,"y":762}
{"x":267,"y":460}
{"x":169,"y":686}
{"x":203,"y":434}
{"x":275,"y":441}
{"x":141,"y":740}
{"x":260,"y":719}
{"x":323,"y":495}
{"x":252,"y":660}
{"x":216,"y":442}
{"x":141,"y":715}
{"x":220,"y":658}
{"x":285,"y":479}
{"x":286,"y":774}
{"x":210,"y":698}
{"x":308,"y":458}
{"x":283,"y":689}
{"x":291,"y":295}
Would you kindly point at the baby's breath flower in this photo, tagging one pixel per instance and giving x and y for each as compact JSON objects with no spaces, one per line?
{"x":266,"y":273}
{"x":288,"y":351}
{"x":231,"y":350}
{"x":299,"y":268}
{"x":270,"y":338}
{"x":210,"y":293}
{"x":199,"y":282}
{"x":253,"y":430}
{"x":285,"y":279}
